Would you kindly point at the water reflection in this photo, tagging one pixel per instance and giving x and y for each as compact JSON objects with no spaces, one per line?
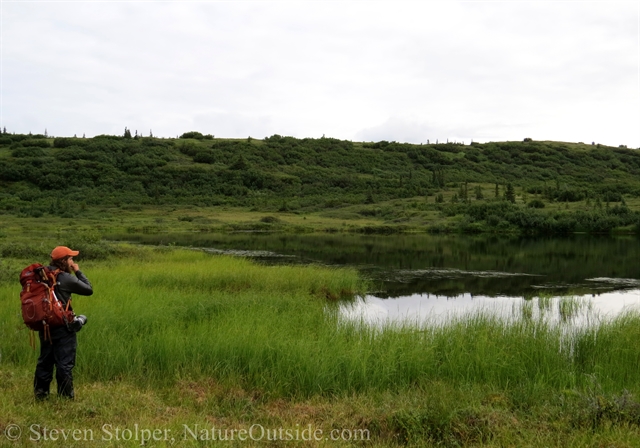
{"x":429,"y":277}
{"x":403,"y":265}
{"x":421,"y":309}
{"x":455,"y":282}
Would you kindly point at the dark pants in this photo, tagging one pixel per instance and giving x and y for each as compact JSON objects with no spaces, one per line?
{"x":61,"y":353}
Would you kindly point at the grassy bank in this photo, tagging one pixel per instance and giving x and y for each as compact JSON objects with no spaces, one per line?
{"x":181,"y":337}
{"x":417,"y":215}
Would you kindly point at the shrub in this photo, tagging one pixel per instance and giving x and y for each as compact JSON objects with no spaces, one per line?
{"x":197,"y":135}
{"x":536,"y":203}
{"x":90,"y":245}
{"x":25,"y":250}
{"x":27,"y":152}
{"x":204,"y":156}
{"x":612,"y":196}
{"x":65,"y":142}
{"x":39,"y":143}
{"x":370,"y":211}
{"x":192,"y":134}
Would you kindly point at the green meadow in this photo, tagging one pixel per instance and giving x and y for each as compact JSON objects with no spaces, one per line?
{"x":182,"y":341}
{"x":187,"y":348}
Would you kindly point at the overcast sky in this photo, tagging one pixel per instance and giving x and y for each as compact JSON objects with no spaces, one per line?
{"x":359,"y":70}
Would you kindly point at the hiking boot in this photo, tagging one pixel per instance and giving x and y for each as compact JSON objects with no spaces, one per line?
{"x":40,"y":394}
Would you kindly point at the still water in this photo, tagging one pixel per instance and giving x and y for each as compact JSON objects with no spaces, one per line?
{"x":426,"y":278}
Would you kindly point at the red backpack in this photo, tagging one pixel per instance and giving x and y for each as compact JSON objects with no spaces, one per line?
{"x":40,"y":306}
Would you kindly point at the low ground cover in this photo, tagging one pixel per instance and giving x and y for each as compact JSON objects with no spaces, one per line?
{"x":414,"y":215}
{"x":181,"y":337}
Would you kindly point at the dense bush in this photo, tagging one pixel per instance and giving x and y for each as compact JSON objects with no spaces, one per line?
{"x":22,"y":152}
{"x":197,"y":135}
{"x":313,"y":173}
{"x":66,"y":142}
{"x":504,"y":216}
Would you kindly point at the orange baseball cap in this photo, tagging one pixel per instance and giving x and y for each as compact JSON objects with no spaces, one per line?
{"x":63,"y":251}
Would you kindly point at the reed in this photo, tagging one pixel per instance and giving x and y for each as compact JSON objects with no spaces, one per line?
{"x":170,"y":316}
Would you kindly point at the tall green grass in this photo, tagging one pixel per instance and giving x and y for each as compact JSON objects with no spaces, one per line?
{"x":176,"y":315}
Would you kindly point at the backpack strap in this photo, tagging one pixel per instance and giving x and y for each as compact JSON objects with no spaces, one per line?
{"x":49,"y":283}
{"x":54,"y":282}
{"x":53,"y":277}
{"x":47,"y":333}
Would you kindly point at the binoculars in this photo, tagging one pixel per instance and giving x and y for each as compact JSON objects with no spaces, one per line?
{"x":78,"y":323}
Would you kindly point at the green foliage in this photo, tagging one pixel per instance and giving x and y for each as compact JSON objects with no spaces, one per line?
{"x":478,"y":192}
{"x":304,"y":174}
{"x":505,"y":216}
{"x":274,"y":329}
{"x":240,"y":164}
{"x":25,"y":250}
{"x":22,"y":152}
{"x":65,"y":142}
{"x":463,"y":193}
{"x":33,"y":142}
{"x":509,"y":193}
{"x":197,"y":135}
{"x":270,"y":219}
{"x":90,"y":245}
{"x":369,"y":199}
{"x":441,"y":423}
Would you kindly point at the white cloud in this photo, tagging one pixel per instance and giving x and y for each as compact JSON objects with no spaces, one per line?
{"x":403,"y":71}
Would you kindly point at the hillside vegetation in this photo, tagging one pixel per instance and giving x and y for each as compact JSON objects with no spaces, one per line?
{"x":528,"y":186}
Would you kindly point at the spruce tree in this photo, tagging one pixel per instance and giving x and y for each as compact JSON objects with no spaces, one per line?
{"x":463,"y":192}
{"x":478,"y":191}
{"x":369,"y":199}
{"x":510,"y":194}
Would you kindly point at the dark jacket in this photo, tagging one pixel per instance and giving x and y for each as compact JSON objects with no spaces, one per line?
{"x":69,"y":284}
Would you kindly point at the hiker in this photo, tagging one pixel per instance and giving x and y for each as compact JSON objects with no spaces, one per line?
{"x":59,"y":348}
